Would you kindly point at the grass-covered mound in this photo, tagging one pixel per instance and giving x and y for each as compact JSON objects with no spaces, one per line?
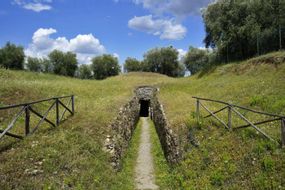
{"x":230,"y":160}
{"x":71,"y":156}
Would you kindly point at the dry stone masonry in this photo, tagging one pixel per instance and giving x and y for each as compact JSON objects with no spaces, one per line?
{"x":144,"y":102}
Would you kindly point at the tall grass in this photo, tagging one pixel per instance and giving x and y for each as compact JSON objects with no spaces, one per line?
{"x":71,"y":155}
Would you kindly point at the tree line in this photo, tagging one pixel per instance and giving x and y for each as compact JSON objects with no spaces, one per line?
{"x":241,"y":29}
{"x":235,"y":30}
{"x":60,"y":63}
{"x":160,"y":60}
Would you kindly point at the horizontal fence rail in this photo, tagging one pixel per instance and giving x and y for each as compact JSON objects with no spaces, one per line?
{"x":27,"y":109}
{"x":231,"y":108}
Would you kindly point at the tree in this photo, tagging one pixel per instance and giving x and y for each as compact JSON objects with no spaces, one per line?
{"x":34,"y":64}
{"x":63,"y":63}
{"x":162,"y":60}
{"x":105,"y":66}
{"x":196,"y":60}
{"x":181,"y":70}
{"x":132,"y":65}
{"x":12,"y":57}
{"x":47,"y":66}
{"x":240,"y":29}
{"x":84,"y":72}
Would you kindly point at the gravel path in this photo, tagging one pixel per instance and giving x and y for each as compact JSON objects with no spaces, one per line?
{"x":144,"y":167}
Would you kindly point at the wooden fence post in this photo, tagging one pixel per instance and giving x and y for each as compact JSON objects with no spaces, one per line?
{"x":198,"y":110}
{"x":283,"y":132}
{"x":57,"y":111}
{"x":230,"y":117}
{"x":27,"y":120}
{"x":72,"y":104}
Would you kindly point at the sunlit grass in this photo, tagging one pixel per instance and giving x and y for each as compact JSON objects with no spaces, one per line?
{"x":75,"y":147}
{"x":71,"y":155}
{"x":164,"y":177}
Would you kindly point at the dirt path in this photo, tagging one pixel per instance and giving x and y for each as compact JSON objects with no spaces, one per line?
{"x":144,"y":167}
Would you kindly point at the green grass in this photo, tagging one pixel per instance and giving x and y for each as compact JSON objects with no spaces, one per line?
{"x":164,"y":177}
{"x":274,"y":58}
{"x":129,"y":162}
{"x":71,"y":156}
{"x":229,"y":160}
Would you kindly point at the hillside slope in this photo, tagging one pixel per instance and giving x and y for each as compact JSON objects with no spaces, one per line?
{"x":230,"y":160}
{"x":71,"y":156}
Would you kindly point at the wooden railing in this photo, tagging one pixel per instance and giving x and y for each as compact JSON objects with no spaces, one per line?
{"x":231,"y":108}
{"x":27,"y":109}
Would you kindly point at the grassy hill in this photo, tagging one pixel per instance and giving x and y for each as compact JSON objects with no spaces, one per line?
{"x":71,"y":156}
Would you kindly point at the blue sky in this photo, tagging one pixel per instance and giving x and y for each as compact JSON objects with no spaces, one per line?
{"x":124,"y":28}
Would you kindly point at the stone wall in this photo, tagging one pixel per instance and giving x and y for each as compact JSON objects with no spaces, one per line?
{"x":122,"y":130}
{"x":168,"y":139}
{"x":124,"y":125}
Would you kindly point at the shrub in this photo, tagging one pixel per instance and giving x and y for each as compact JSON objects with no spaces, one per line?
{"x":63,"y":63}
{"x":132,"y":64}
{"x":163,"y":61}
{"x":105,"y":66}
{"x":84,"y":72}
{"x":34,"y":64}
{"x":197,"y":60}
{"x":12,"y":57}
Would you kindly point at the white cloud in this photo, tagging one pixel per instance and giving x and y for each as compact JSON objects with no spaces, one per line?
{"x":169,"y":14}
{"x":85,"y":46}
{"x":164,"y":28}
{"x":34,"y":5}
{"x":179,"y":8}
{"x":37,"y":7}
{"x":116,"y":55}
{"x":182,"y":54}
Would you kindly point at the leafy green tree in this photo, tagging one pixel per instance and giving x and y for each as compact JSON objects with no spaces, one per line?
{"x":63,"y":63}
{"x":84,"y":72}
{"x":162,"y":60}
{"x":132,"y":65}
{"x":47,"y":65}
{"x":240,"y":29}
{"x":12,"y":56}
{"x":34,"y":64}
{"x":105,"y":66}
{"x":181,"y":70}
{"x":196,"y":60}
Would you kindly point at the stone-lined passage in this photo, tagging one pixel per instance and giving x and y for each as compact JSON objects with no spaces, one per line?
{"x":145,"y":103}
{"x":144,"y":171}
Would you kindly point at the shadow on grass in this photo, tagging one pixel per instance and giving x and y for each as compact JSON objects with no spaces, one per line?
{"x":8,"y":145}
{"x":207,"y":70}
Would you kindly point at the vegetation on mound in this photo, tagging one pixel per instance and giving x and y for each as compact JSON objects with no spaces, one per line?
{"x":129,"y":162}
{"x":274,"y":58}
{"x":229,"y":160}
{"x":71,"y":156}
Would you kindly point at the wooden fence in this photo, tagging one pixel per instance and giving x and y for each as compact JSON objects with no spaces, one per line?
{"x":27,"y":109}
{"x":231,"y":108}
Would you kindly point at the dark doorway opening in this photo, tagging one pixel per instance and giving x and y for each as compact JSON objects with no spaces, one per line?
{"x":144,"y":111}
